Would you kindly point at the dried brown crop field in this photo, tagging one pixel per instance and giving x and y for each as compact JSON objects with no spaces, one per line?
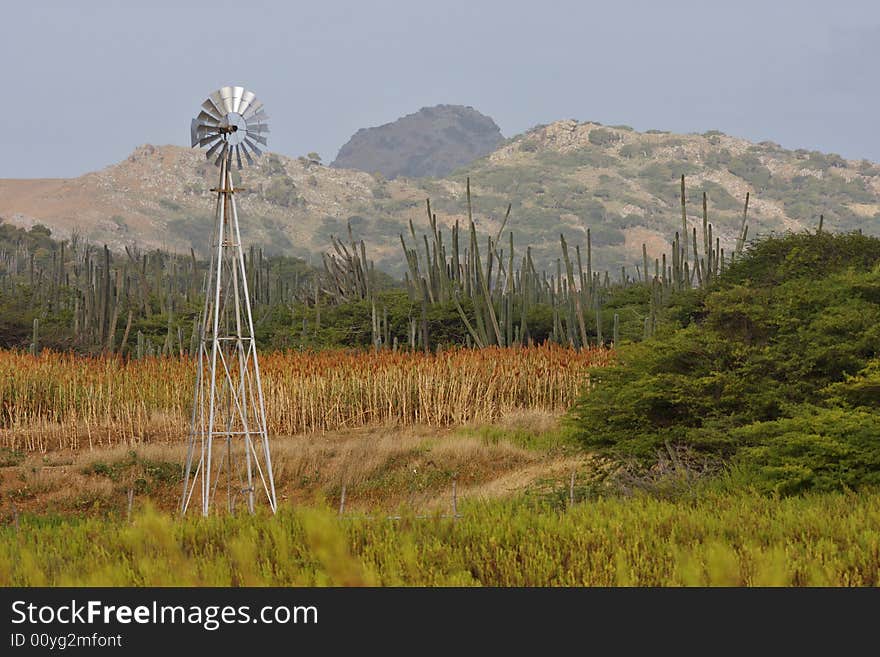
{"x":55,"y":401}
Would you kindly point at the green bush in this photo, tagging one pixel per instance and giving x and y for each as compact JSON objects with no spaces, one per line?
{"x":604,"y":234}
{"x":282,"y":191}
{"x":749,"y":168}
{"x":633,"y":150}
{"x":719,"y":198}
{"x":817,"y":449}
{"x":603,"y":137}
{"x":822,"y":161}
{"x":859,"y":391}
{"x":756,"y":369}
{"x":272,"y":165}
{"x":582,"y":157}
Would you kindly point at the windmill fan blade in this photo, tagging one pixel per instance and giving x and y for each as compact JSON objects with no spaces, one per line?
{"x":253,"y":146}
{"x":257,"y":137}
{"x":194,"y":133}
{"x":218,"y":103}
{"x":255,"y":107}
{"x":203,"y":130}
{"x":259,"y":117}
{"x":237,"y":93}
{"x":213,"y":149}
{"x":257,"y":127}
{"x":246,"y":99}
{"x":207,"y":119}
{"x":247,"y":155}
{"x":238,"y":157}
{"x":204,"y":141}
{"x":210,"y":108}
{"x":226,"y":94}
{"x":223,"y":154}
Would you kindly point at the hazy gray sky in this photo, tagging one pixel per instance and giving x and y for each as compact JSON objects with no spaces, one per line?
{"x":86,"y":82}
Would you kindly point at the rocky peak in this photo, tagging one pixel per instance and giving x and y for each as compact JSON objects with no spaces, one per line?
{"x":429,"y":143}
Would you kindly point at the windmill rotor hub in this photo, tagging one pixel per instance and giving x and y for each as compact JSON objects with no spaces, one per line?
{"x":235,"y":123}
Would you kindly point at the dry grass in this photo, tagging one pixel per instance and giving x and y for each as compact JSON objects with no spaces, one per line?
{"x":59,"y":401}
{"x":381,"y":468}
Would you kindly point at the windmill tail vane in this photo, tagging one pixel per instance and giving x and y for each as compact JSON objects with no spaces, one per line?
{"x":228,"y":462}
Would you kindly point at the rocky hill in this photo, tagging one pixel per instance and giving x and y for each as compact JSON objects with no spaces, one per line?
{"x":623,"y":184}
{"x":432,"y":142}
{"x":559,"y":178}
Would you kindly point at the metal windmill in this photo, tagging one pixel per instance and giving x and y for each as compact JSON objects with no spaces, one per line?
{"x":228,"y":451}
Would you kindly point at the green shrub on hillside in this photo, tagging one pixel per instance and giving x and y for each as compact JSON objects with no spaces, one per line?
{"x":823,"y":161}
{"x":750,"y":168}
{"x":603,"y":137}
{"x":271,"y":165}
{"x":636,"y":150}
{"x":606,"y":235}
{"x":719,"y":198}
{"x":582,"y":157}
{"x":282,"y":191}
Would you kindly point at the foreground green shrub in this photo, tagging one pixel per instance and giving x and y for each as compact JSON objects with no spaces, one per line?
{"x":741,"y":539}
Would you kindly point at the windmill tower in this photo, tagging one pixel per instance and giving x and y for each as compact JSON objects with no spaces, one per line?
{"x":227,"y":458}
